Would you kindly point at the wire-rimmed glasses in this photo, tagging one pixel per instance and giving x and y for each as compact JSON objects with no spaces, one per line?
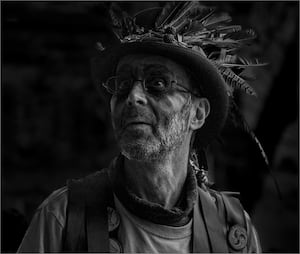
{"x":154,"y":85}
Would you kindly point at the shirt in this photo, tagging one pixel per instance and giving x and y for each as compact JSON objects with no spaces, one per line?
{"x":141,"y":236}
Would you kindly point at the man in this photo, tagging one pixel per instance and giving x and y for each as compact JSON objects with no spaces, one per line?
{"x":168,"y":102}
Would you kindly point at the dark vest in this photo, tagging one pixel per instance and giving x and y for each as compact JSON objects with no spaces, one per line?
{"x":219,"y":220}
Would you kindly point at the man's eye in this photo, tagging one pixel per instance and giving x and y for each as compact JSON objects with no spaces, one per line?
{"x":123,"y":84}
{"x":156,"y":83}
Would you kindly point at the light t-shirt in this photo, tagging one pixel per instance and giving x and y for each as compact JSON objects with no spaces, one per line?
{"x":141,"y":236}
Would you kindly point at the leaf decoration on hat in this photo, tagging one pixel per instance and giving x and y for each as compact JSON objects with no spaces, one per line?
{"x":186,"y":15}
{"x":166,"y":14}
{"x":197,"y":25}
{"x":216,"y":20}
{"x":200,"y":28}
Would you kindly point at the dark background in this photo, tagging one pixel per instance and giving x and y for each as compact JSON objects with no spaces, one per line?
{"x":55,"y":125}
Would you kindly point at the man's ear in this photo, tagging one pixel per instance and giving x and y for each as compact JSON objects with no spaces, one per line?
{"x":200,"y":112}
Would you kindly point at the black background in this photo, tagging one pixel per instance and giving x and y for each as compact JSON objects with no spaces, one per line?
{"x":55,"y":125}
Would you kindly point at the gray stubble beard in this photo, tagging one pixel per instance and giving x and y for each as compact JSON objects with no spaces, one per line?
{"x":163,"y":143}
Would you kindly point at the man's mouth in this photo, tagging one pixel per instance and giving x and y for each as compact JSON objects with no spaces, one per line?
{"x":135,"y":123}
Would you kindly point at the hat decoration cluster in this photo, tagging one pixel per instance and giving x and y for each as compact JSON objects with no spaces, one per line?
{"x":199,"y":28}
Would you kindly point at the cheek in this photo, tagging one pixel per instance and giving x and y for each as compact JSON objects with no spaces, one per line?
{"x":113,"y":104}
{"x":115,"y":110}
{"x":170,"y":103}
{"x":165,"y":109}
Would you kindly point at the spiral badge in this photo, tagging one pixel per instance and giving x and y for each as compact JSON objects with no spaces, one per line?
{"x":237,"y":237}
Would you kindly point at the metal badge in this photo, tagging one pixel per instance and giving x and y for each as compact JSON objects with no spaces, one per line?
{"x":113,"y":219}
{"x":237,"y":237}
{"x":115,"y":246}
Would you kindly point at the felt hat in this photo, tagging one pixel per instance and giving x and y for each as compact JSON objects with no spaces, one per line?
{"x":189,"y":34}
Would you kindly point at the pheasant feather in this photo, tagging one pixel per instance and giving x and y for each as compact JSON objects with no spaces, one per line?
{"x":239,"y":121}
{"x":243,"y":36}
{"x":235,"y":81}
{"x":216,"y":19}
{"x":247,"y":76}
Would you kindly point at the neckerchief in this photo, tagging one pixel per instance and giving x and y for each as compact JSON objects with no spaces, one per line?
{"x":177,"y":216}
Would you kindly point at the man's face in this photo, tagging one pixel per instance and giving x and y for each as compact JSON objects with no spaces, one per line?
{"x":149,"y":125}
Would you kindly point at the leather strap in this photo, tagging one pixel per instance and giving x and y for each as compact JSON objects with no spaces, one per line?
{"x":97,"y":202}
{"x":238,"y":237}
{"x":75,"y":228}
{"x":200,"y":238}
{"x":87,"y":226}
{"x":214,"y":226}
{"x":234,"y":209}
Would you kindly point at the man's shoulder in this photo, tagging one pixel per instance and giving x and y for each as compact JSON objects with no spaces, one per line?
{"x":240,"y":231}
{"x":57,"y":196}
{"x":228,"y":200}
{"x":230,"y":194}
{"x":228,"y":206}
{"x":56,"y":203}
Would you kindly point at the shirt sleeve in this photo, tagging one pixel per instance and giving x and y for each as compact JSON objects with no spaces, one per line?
{"x":45,"y":231}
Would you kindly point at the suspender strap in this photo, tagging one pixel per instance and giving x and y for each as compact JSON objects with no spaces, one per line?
{"x":200,"y":239}
{"x":234,"y":209}
{"x":74,"y":240}
{"x":237,"y":227}
{"x":215,"y":228}
{"x":87,"y":226}
{"x":97,"y":226}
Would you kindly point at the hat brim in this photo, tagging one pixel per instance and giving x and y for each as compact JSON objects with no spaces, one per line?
{"x":204,"y":73}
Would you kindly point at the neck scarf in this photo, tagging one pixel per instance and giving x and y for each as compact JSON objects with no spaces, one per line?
{"x":179,"y":215}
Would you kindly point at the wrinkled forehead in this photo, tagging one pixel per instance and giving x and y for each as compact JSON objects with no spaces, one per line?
{"x":149,"y":63}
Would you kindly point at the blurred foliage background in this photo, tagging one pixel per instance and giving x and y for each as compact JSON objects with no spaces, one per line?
{"x":56,"y":125}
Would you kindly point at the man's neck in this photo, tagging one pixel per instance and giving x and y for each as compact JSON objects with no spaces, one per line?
{"x":160,"y":181}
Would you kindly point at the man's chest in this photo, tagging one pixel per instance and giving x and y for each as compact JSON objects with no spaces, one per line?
{"x":137,"y":235}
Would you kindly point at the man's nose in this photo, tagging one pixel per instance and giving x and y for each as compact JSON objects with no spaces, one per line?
{"x":136,"y":95}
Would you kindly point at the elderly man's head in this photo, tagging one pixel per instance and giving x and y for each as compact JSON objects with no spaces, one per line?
{"x":155,"y":108}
